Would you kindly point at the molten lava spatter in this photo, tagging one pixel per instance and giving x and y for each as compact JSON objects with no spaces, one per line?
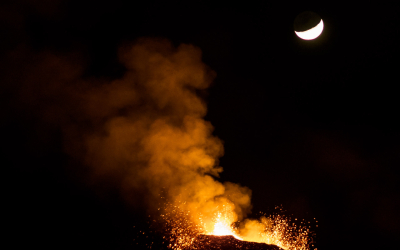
{"x":275,"y":230}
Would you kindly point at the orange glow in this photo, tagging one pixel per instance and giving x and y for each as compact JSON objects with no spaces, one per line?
{"x":273,"y":230}
{"x":222,"y":226}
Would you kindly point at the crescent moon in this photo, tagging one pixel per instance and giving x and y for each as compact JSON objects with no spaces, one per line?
{"x":311,"y":33}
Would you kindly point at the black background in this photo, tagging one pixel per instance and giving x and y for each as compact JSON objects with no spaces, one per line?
{"x":309,"y":125}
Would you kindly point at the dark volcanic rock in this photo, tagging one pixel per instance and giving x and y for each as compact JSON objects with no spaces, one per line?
{"x":211,"y":242}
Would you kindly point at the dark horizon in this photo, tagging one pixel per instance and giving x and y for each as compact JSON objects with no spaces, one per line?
{"x":310,"y":126}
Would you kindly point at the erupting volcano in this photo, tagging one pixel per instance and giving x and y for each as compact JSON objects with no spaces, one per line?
{"x":178,"y":155}
{"x":145,"y":133}
{"x":273,"y":232}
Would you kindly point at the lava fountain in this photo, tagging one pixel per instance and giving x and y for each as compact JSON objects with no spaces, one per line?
{"x":222,"y":227}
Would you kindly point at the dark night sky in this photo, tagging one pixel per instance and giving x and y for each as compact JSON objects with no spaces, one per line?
{"x":309,"y":125}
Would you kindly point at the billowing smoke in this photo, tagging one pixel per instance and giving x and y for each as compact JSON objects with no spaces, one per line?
{"x":145,"y":132}
{"x":153,"y":134}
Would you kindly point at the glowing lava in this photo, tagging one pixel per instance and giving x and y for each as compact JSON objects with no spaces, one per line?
{"x":222,"y":227}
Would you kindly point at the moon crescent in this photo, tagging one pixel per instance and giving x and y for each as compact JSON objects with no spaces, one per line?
{"x":311,"y":33}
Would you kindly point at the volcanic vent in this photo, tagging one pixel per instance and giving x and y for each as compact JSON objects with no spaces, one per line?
{"x":228,"y":242}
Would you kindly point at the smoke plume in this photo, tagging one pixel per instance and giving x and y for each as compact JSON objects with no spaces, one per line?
{"x":144,"y":133}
